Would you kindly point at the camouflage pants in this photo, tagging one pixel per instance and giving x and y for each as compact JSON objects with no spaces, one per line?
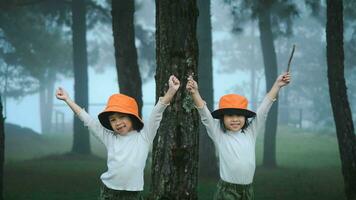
{"x":110,"y":194}
{"x":230,"y":191}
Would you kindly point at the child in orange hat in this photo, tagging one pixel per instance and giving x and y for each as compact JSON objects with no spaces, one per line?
{"x":126,"y":139}
{"x":234,"y":136}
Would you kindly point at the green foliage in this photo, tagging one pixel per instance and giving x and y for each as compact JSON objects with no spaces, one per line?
{"x":37,"y":50}
{"x":188,"y":104}
{"x":146,"y":51}
{"x":35,"y":43}
{"x":349,"y":10}
{"x":282,"y":14}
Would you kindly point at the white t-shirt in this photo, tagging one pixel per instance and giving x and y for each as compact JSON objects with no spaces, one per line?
{"x":126,"y":155}
{"x":236,"y":150}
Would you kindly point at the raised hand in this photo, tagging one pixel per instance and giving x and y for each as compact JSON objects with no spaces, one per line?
{"x":173,"y":83}
{"x":61,"y":94}
{"x":283,"y":79}
{"x":192,"y":85}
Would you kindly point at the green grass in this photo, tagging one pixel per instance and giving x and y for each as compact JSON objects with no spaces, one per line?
{"x":309,"y":169}
{"x":298,"y":149}
{"x":53,"y":179}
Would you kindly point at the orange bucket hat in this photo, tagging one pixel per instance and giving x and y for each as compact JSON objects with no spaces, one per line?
{"x":233,"y":104}
{"x":122,"y":104}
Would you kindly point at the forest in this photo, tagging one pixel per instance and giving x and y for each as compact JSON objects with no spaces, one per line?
{"x":95,"y":48}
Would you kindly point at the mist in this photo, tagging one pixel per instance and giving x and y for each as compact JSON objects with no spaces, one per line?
{"x":304,"y":107}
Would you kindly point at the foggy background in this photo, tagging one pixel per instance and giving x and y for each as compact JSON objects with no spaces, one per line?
{"x":308,"y":160}
{"x":234,"y":54}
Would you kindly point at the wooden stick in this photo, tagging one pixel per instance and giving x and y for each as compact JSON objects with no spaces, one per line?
{"x":290,"y":58}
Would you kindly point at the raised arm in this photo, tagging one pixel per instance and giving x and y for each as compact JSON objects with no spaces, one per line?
{"x":263,"y":109}
{"x":192,"y":87}
{"x":174,"y":84}
{"x":157,"y":112}
{"x":61,"y":94}
{"x":281,"y":81}
{"x":205,"y":116}
{"x":94,"y":126}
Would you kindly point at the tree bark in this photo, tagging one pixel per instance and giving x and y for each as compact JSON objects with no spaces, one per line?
{"x":208,"y":166}
{"x":270,"y":63}
{"x":2,"y":150}
{"x":338,"y":95}
{"x":175,"y":148}
{"x":125,"y":50}
{"x":81,"y":142}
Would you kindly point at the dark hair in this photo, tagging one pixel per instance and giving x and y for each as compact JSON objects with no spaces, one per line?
{"x":136,"y":125}
{"x":244,"y":127}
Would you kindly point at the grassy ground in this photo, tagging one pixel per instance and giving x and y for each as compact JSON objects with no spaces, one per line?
{"x":309,"y":169}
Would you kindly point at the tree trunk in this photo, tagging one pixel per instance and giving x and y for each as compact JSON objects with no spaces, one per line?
{"x":284,"y":111}
{"x":253,"y":80}
{"x":2,"y":150}
{"x":125,"y":50}
{"x":46,"y":102}
{"x":270,"y":63}
{"x":338,"y":95}
{"x":81,"y":142}
{"x":208,"y":166}
{"x":175,"y":148}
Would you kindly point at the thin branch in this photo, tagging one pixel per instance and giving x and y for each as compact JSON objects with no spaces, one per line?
{"x":101,"y":10}
{"x":8,"y":4}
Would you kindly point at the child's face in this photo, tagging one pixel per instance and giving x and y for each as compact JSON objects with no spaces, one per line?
{"x":120,"y":123}
{"x":234,"y":122}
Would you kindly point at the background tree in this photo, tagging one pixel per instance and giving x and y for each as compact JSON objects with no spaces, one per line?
{"x":175,"y":148}
{"x":208,"y":167}
{"x":242,"y":56}
{"x":58,"y":13}
{"x":80,"y":63}
{"x":146,"y":52}
{"x":270,"y":63}
{"x":264,"y":9}
{"x":338,"y":95}
{"x":125,"y":50}
{"x":274,"y":18}
{"x":28,"y":55}
{"x":350,"y":51}
{"x":2,"y":150}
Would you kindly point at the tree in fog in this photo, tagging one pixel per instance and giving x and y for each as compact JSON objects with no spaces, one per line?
{"x":125,"y":50}
{"x":307,"y":65}
{"x":30,"y":57}
{"x":274,"y":18}
{"x":79,"y":28}
{"x":81,"y":143}
{"x":146,"y":52}
{"x":59,"y":12}
{"x":80,"y":64}
{"x":338,"y":95}
{"x":350,"y":50}
{"x":242,"y":55}
{"x":208,"y":167}
{"x":2,"y":149}
{"x":264,"y":9}
{"x":175,"y":148}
